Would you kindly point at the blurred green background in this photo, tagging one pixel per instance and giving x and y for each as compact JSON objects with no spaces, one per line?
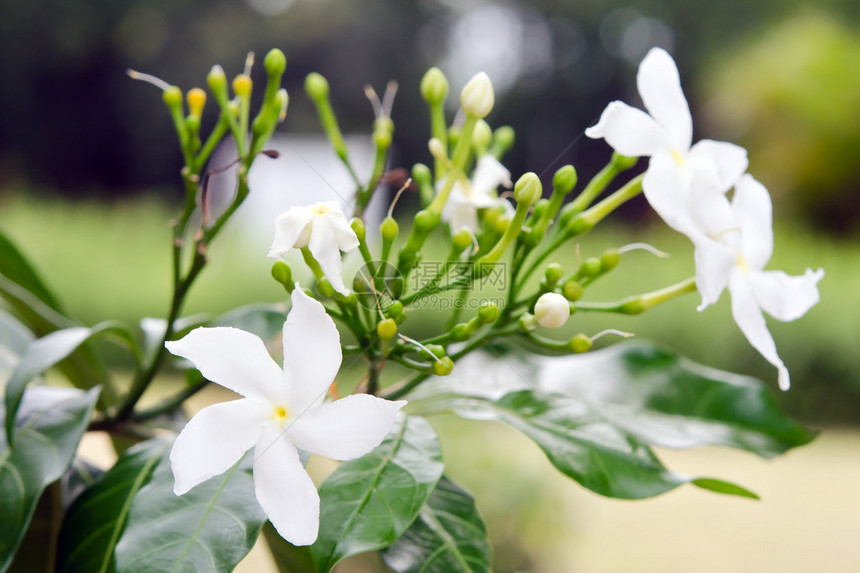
{"x":89,"y":166}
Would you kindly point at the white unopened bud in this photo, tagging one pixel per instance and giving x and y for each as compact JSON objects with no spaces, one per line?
{"x":477,"y":97}
{"x":552,"y":310}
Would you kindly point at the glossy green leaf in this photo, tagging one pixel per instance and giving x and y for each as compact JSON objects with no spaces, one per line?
{"x":15,"y":267}
{"x":367,"y":503}
{"x":667,"y":400}
{"x":288,"y":558}
{"x":448,"y":536}
{"x":209,"y":529}
{"x":43,"y":353}
{"x":720,"y":486}
{"x":50,"y":424}
{"x":14,"y":339}
{"x":96,"y":519}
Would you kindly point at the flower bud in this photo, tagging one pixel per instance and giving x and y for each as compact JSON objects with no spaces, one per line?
{"x":275,"y":62}
{"x":196,"y":99}
{"x":172,"y":97}
{"x":590,"y":267}
{"x":434,"y":86}
{"x":483,"y":135}
{"x":437,"y":148}
{"x":501,"y":224}
{"x":564,"y":179}
{"x":426,"y":221}
{"x":579,"y":344}
{"x":461,"y":333}
{"x":488,"y":313}
{"x":394,"y":310}
{"x":386,"y":329}
{"x":282,"y":273}
{"x":421,"y":174}
{"x":622,"y":162}
{"x":553,"y":274}
{"x":609,"y":260}
{"x":477,"y":97}
{"x":382,"y":138}
{"x":443,"y":366}
{"x":572,"y":290}
{"x":528,"y":188}
{"x":552,"y":310}
{"x":358,"y":228}
{"x":242,"y":85}
{"x":461,"y":240}
{"x":316,"y":87}
{"x":217,"y":81}
{"x":433,"y":351}
{"x":282,"y":100}
{"x":388,"y":229}
{"x":577,"y":226}
{"x":527,"y":322}
{"x":634,"y":306}
{"x":503,"y":140}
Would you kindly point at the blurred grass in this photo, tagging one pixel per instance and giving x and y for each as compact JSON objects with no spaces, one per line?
{"x":111,"y":261}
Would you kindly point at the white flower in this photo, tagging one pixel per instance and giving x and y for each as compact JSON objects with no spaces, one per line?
{"x":324,"y":230}
{"x":666,"y":136}
{"x":461,"y":209}
{"x":282,"y":411}
{"x":478,"y":97}
{"x":734,"y":242}
{"x":552,"y":310}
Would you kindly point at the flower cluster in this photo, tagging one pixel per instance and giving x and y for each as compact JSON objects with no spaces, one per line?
{"x":687,"y":186}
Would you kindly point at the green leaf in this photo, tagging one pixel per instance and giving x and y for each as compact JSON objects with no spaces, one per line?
{"x":210,"y":528}
{"x":50,"y":424}
{"x":14,"y":339}
{"x":367,"y":503}
{"x":720,"y":486}
{"x":43,"y":353}
{"x":448,"y":536}
{"x":15,"y":267}
{"x":667,"y":400}
{"x":288,"y":558}
{"x":264,"y":320}
{"x":95,"y":520}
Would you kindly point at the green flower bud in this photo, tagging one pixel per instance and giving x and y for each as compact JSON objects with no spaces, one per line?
{"x":382,"y":138}
{"x":572,"y":290}
{"x":478,"y":97}
{"x":461,"y":241}
{"x":421,"y":174}
{"x":482,"y":135}
{"x":501,"y":224}
{"x":488,"y":313}
{"x":435,"y":351}
{"x":434,"y":86}
{"x":426,"y":221}
{"x":579,"y":344}
{"x":503,"y":140}
{"x":282,"y":273}
{"x":394,"y":310}
{"x":316,"y":87}
{"x":389,"y":229}
{"x":324,"y":287}
{"x":358,"y":228}
{"x":634,"y":306}
{"x":552,"y":310}
{"x":622,"y":162}
{"x":461,"y":332}
{"x":553,"y":274}
{"x":528,"y":188}
{"x":564,"y":179}
{"x":217,"y":81}
{"x":590,"y":267}
{"x":577,"y":226}
{"x":609,"y":260}
{"x":454,"y":135}
{"x":527,"y":322}
{"x":172,"y":96}
{"x":275,"y":62}
{"x":443,"y":366}
{"x":386,"y":329}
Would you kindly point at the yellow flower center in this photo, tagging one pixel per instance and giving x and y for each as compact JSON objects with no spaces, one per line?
{"x":742,"y":264}
{"x":280,"y":414}
{"x":320,"y":209}
{"x":678,"y":157}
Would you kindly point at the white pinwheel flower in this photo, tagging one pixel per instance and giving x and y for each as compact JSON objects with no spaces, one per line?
{"x":282,"y":411}
{"x":666,"y":136}
{"x":324,"y":230}
{"x":461,"y":209}
{"x":733,"y":245}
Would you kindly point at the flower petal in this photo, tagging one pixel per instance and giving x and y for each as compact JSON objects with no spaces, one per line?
{"x":213,"y":440}
{"x":629,"y":131}
{"x":786,"y":297}
{"x":284,"y":489}
{"x":727,"y":161}
{"x":323,"y":246}
{"x":345,"y":237}
{"x":233,"y":358}
{"x":462,"y":216}
{"x":489,"y":174}
{"x":714,"y":263}
{"x":289,"y":226}
{"x":748,"y":316}
{"x":660,"y":88}
{"x":312,"y":354}
{"x":754,"y":213}
{"x":667,"y":194}
{"x":344,"y":429}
